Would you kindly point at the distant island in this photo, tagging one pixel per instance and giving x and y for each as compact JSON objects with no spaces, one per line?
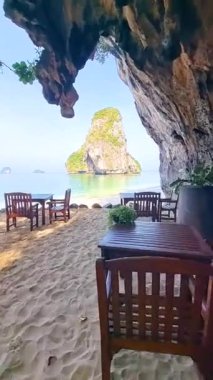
{"x":6,"y":170}
{"x":105,"y":148}
{"x":38,"y":171}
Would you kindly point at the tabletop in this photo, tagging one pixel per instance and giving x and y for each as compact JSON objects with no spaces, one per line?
{"x":167,"y":239}
{"x":42,"y":196}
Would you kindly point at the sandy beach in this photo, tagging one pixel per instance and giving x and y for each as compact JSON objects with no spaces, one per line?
{"x":49,"y":324}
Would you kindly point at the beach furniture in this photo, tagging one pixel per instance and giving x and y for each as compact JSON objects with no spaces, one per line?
{"x":168,"y":209}
{"x":42,"y":199}
{"x":155,"y":239}
{"x":162,"y":305}
{"x":20,"y":205}
{"x":146,"y":204}
{"x":60,"y":208}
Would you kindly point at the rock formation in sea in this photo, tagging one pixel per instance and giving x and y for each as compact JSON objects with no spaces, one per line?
{"x":105,"y":149}
{"x":6,"y":170}
{"x":38,"y":171}
{"x":164,"y":50}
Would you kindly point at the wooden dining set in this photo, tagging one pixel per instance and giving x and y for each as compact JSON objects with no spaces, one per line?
{"x":154,"y":280}
{"x":19,"y":204}
{"x":151,"y":204}
{"x":155,"y":289}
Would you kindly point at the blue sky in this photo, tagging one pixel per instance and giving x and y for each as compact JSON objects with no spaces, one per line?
{"x":33,"y":133}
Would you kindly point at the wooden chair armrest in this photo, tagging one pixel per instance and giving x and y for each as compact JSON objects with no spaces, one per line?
{"x":56,"y":201}
{"x":168,"y":200}
{"x":165,"y":199}
{"x":35,"y":206}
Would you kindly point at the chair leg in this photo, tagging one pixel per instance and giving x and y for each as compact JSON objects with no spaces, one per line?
{"x":37,"y":220}
{"x":8,"y":224}
{"x":14,"y":221}
{"x":50,"y":216}
{"x":206,"y":368}
{"x":65,"y":216}
{"x":31,"y":223}
{"x":105,"y":364}
{"x":68,"y":213}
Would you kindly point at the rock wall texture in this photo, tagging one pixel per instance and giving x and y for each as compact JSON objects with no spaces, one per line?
{"x":105,"y":148}
{"x":164,"y":50}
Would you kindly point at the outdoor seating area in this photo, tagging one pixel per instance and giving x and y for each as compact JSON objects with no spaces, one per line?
{"x":33,"y":207}
{"x":152,"y":279}
{"x":152,"y":308}
{"x":151,"y":204}
{"x":59,"y":208}
{"x":154,"y":284}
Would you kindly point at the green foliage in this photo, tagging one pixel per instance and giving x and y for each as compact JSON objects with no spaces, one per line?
{"x":110,"y":113}
{"x":103,"y":51}
{"x":75,"y":162}
{"x":201,"y":175}
{"x":105,"y":132}
{"x":122,"y":215}
{"x":25,"y":71}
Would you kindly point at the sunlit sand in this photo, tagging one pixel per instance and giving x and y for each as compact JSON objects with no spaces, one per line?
{"x":49,"y":324}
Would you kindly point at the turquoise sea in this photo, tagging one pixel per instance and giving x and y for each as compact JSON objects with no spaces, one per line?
{"x":83,"y":186}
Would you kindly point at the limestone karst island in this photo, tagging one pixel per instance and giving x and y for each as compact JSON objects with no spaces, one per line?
{"x":105,"y":148}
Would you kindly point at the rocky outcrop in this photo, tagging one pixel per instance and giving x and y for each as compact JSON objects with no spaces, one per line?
{"x":6,"y":170}
{"x":38,"y":171}
{"x":105,"y":148}
{"x":164,"y":50}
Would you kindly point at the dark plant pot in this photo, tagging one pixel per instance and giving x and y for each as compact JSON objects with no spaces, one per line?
{"x":195,"y":207}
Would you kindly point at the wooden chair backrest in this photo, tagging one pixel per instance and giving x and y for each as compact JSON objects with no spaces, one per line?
{"x":18,"y":203}
{"x":67,"y":197}
{"x":157,"y":310}
{"x":147,"y":204}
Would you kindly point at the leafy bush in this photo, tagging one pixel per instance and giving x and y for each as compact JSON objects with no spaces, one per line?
{"x":201,"y":175}
{"x":122,"y":215}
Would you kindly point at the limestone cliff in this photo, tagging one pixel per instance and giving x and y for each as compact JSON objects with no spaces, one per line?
{"x":164,"y":50}
{"x":105,"y":148}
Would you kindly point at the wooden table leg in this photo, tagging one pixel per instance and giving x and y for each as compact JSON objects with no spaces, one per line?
{"x":43,"y":212}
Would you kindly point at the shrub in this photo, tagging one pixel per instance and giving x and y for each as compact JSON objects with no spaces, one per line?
{"x":201,"y":175}
{"x":122,"y":215}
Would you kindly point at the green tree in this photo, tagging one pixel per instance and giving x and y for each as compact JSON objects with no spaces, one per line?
{"x":104,"y":48}
{"x":26,"y":71}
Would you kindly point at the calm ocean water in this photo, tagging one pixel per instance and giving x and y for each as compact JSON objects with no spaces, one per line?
{"x":82,"y":185}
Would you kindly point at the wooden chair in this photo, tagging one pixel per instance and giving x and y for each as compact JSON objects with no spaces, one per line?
{"x":59,"y":208}
{"x":20,"y":205}
{"x":162,"y":314}
{"x":147,"y":204}
{"x":168,"y":209}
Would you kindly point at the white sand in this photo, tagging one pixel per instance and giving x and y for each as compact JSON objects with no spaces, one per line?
{"x":47,"y":283}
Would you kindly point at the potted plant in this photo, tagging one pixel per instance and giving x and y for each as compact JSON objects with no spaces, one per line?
{"x":195,"y":203}
{"x":122,"y":215}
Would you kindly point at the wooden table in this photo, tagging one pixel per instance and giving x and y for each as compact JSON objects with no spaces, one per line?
{"x":42,"y":198}
{"x":155,"y":239}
